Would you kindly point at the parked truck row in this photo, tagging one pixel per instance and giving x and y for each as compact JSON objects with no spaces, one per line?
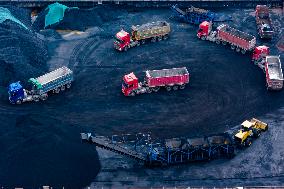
{"x":171,"y":79}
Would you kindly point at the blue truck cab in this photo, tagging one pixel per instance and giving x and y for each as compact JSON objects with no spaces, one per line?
{"x":16,"y":93}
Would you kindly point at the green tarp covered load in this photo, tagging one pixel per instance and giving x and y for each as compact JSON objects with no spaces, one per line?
{"x":5,"y":14}
{"x":55,"y":13}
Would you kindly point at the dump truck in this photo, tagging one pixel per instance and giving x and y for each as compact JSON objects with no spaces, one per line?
{"x":273,"y":71}
{"x":249,"y":130}
{"x":140,"y":34}
{"x":193,"y":15}
{"x":263,"y":22}
{"x":175,"y":78}
{"x":55,"y":81}
{"x":238,"y":40}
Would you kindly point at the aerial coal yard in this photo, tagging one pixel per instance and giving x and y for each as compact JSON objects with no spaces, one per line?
{"x":113,"y":96}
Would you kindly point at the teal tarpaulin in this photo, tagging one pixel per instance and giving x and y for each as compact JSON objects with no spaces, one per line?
{"x":5,"y":14}
{"x":55,"y":13}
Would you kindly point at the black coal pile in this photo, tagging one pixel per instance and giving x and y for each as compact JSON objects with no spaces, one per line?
{"x":23,"y":53}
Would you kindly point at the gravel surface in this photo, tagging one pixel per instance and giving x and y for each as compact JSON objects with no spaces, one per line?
{"x":40,"y":142}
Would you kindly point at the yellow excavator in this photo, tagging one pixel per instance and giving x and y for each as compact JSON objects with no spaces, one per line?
{"x":249,"y":130}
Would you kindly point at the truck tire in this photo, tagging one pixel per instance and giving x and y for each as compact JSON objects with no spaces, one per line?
{"x":165,"y":37}
{"x":19,"y":101}
{"x":256,"y":133}
{"x":182,"y":86}
{"x":233,"y":47}
{"x":143,"y":41}
{"x":160,"y":38}
{"x":248,"y":142}
{"x":217,"y":41}
{"x":168,"y":88}
{"x":156,"y":89}
{"x":153,"y":40}
{"x":68,"y":85}
{"x":175,"y":87}
{"x":224,"y":43}
{"x":238,"y":49}
{"x":203,"y":38}
{"x":62,"y":88}
{"x":149,"y":90}
{"x":138,"y":43}
{"x":243,"y":51}
{"x":132,"y":93}
{"x":43,"y":97}
{"x":57,"y":90}
{"x":36,"y":98}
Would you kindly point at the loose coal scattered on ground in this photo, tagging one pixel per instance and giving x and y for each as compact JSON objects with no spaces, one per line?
{"x":40,"y":142}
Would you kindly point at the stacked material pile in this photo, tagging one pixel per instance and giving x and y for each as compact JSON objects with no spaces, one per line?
{"x":22,"y":52}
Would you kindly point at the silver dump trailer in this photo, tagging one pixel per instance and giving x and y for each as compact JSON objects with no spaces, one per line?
{"x":273,"y":71}
{"x":55,"y":81}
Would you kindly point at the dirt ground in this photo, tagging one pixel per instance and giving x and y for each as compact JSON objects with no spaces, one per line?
{"x":41,"y":145}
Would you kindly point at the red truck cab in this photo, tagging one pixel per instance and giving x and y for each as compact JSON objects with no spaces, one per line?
{"x":260,"y":52}
{"x":122,"y":40}
{"x":130,"y":83}
{"x":204,"y":29}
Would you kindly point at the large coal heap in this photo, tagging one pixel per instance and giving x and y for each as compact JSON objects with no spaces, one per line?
{"x":23,"y":52}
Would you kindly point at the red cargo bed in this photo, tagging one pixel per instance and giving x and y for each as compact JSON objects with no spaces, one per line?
{"x":236,"y":37}
{"x":174,"y":76}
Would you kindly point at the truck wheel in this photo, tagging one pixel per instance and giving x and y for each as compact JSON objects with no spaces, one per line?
{"x":62,"y":88}
{"x":238,"y":49}
{"x":175,"y":87}
{"x":160,"y":38}
{"x":248,"y":142}
{"x":153,"y":39}
{"x":168,"y":88}
{"x":243,"y":51}
{"x":36,"y":98}
{"x":256,"y":133}
{"x":182,"y":86}
{"x":224,"y":43}
{"x":43,"y":97}
{"x":19,"y":101}
{"x":156,"y":89}
{"x":68,"y":85}
{"x":203,"y":38}
{"x":143,"y":41}
{"x":165,"y":37}
{"x":233,"y":47}
{"x":132,"y":93}
{"x":57,"y":90}
{"x":138,"y":43}
{"x":149,"y":90}
{"x":217,"y":41}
